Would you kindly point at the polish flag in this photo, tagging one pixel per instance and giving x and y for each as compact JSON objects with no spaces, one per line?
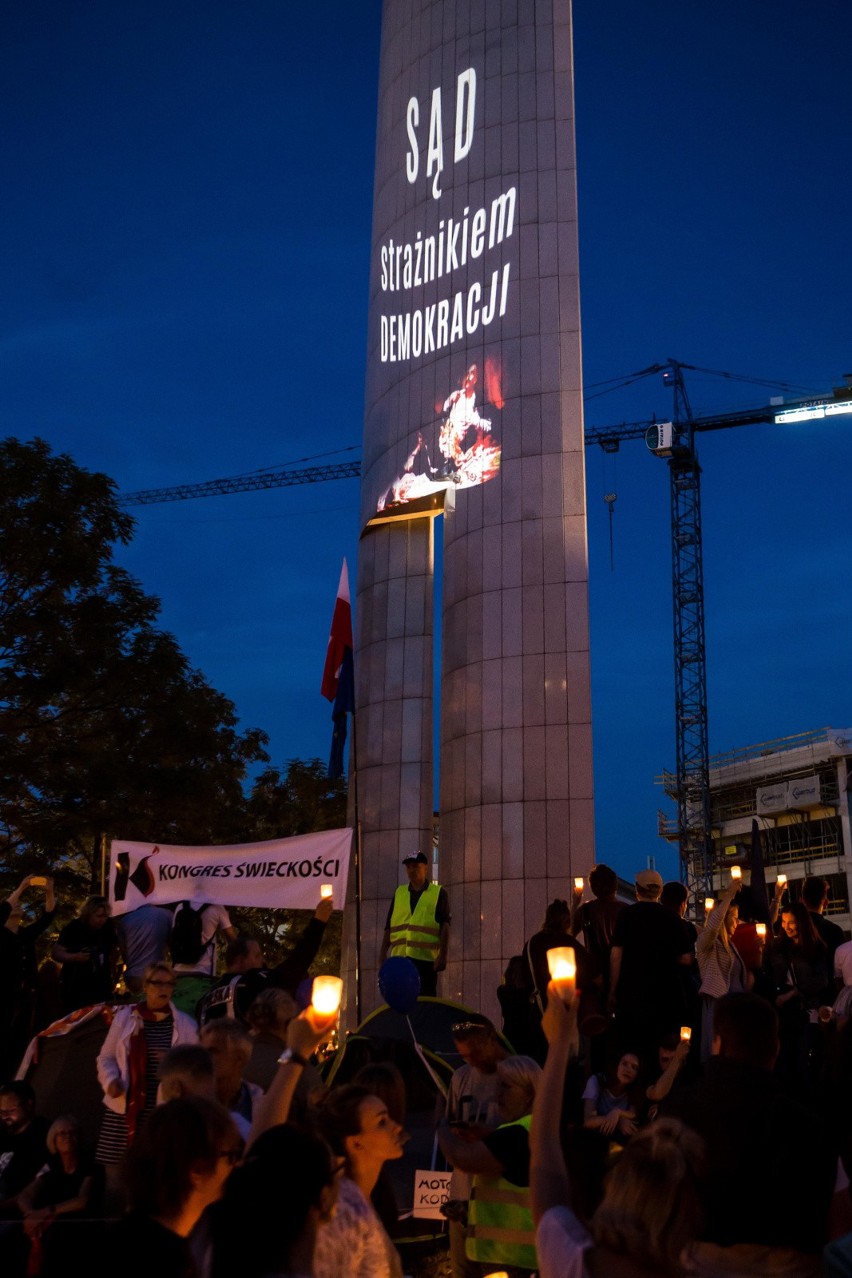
{"x":339,"y":639}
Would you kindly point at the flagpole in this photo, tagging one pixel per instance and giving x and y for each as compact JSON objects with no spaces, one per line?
{"x":358,"y":875}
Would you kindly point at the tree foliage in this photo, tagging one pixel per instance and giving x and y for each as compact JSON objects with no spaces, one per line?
{"x":106,"y":727}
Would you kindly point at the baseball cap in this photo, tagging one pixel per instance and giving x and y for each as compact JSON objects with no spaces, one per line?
{"x":415,"y":858}
{"x":649,"y":878}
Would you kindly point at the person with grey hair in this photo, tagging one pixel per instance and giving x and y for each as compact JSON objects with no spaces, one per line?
{"x":186,"y":1070}
{"x":230,"y":1046}
{"x":68,"y":1189}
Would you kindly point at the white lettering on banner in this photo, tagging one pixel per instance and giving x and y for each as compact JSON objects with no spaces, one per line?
{"x":463,"y":139}
{"x":274,"y":874}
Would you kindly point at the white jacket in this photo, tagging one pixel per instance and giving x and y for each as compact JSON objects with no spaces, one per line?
{"x":114,"y":1056}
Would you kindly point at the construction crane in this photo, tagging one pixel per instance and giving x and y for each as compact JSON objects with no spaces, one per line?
{"x":673,"y":440}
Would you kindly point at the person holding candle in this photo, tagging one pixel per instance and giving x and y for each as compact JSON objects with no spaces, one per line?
{"x":555,"y":934}
{"x":720,"y":963}
{"x":246,"y":975}
{"x":651,"y":1210}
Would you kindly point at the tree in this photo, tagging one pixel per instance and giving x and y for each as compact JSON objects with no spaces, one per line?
{"x":106,"y":727}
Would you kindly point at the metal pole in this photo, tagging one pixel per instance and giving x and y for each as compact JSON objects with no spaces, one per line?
{"x":358,"y":867}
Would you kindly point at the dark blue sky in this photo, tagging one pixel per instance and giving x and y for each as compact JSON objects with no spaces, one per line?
{"x":184,"y":261}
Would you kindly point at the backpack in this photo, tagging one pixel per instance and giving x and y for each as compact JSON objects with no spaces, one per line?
{"x":218,"y":1002}
{"x":186,"y":944}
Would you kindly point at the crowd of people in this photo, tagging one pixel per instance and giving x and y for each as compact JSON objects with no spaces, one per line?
{"x":681,"y":1107}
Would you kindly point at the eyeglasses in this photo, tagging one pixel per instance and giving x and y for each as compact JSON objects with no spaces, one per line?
{"x":465,"y":1027}
{"x":231,"y":1156}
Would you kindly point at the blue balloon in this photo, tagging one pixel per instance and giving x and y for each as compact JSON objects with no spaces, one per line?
{"x":399,"y":983}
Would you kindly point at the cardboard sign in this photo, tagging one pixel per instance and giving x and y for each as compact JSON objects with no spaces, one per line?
{"x":431,"y":1190}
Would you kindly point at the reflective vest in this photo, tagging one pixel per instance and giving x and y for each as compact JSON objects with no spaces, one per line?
{"x":418,"y":935}
{"x":500,"y":1228}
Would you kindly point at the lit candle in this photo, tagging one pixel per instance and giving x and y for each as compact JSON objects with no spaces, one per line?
{"x":781,"y":878}
{"x":326,"y":890}
{"x":708,"y":904}
{"x":579,"y":883}
{"x":497,"y":1273}
{"x":562,"y":963}
{"x":760,"y":928}
{"x":326,"y":993}
{"x":736,"y":872}
{"x":685,"y":1033}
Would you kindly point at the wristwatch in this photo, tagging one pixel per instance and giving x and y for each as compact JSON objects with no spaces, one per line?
{"x":289,"y":1057}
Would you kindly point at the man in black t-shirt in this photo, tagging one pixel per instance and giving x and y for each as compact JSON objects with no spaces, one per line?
{"x":23,"y":1144}
{"x":649,"y":944}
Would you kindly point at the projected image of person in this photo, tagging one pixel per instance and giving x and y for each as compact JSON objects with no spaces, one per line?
{"x":467,"y":453}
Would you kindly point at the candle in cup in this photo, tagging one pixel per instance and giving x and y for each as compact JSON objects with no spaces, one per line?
{"x":736,"y":872}
{"x":326,"y":890}
{"x":708,"y":904}
{"x":760,"y":928}
{"x":326,"y":993}
{"x":579,"y":883}
{"x":781,"y":878}
{"x":562,"y":963}
{"x":685,"y":1033}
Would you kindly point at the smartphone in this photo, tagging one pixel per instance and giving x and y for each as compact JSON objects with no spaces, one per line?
{"x":38,"y":880}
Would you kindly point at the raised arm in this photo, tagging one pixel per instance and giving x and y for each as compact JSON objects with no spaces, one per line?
{"x":549,"y":1183}
{"x":305,"y":1033}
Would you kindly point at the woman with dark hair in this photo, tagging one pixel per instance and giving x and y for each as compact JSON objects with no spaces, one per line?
{"x":176,"y":1167}
{"x":611,"y":1101}
{"x":798,"y":967}
{"x":288,"y":1188}
{"x":86,"y":948}
{"x":359,"y":1128}
{"x":651,"y":1209}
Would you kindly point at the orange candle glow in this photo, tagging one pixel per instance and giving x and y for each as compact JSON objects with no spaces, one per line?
{"x":708,"y":904}
{"x":562,"y":963}
{"x":685,"y":1033}
{"x":736,"y":872}
{"x":781,"y":878}
{"x":326,"y":993}
{"x":760,"y":928}
{"x":579,"y":882}
{"x":326,"y":890}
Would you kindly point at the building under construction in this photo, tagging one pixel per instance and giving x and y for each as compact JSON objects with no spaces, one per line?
{"x":798,"y":789}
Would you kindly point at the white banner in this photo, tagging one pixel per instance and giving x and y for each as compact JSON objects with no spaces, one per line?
{"x":278,"y":874}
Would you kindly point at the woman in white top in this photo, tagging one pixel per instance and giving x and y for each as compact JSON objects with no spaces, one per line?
{"x":720,"y":965}
{"x":354,"y":1243}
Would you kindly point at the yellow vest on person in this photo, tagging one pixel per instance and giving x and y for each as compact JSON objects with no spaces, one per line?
{"x":418,"y":935}
{"x":500,"y":1228}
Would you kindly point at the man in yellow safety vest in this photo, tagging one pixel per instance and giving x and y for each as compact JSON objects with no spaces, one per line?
{"x":418,"y":924}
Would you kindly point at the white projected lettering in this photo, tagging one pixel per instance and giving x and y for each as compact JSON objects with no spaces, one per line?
{"x":463,"y":138}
